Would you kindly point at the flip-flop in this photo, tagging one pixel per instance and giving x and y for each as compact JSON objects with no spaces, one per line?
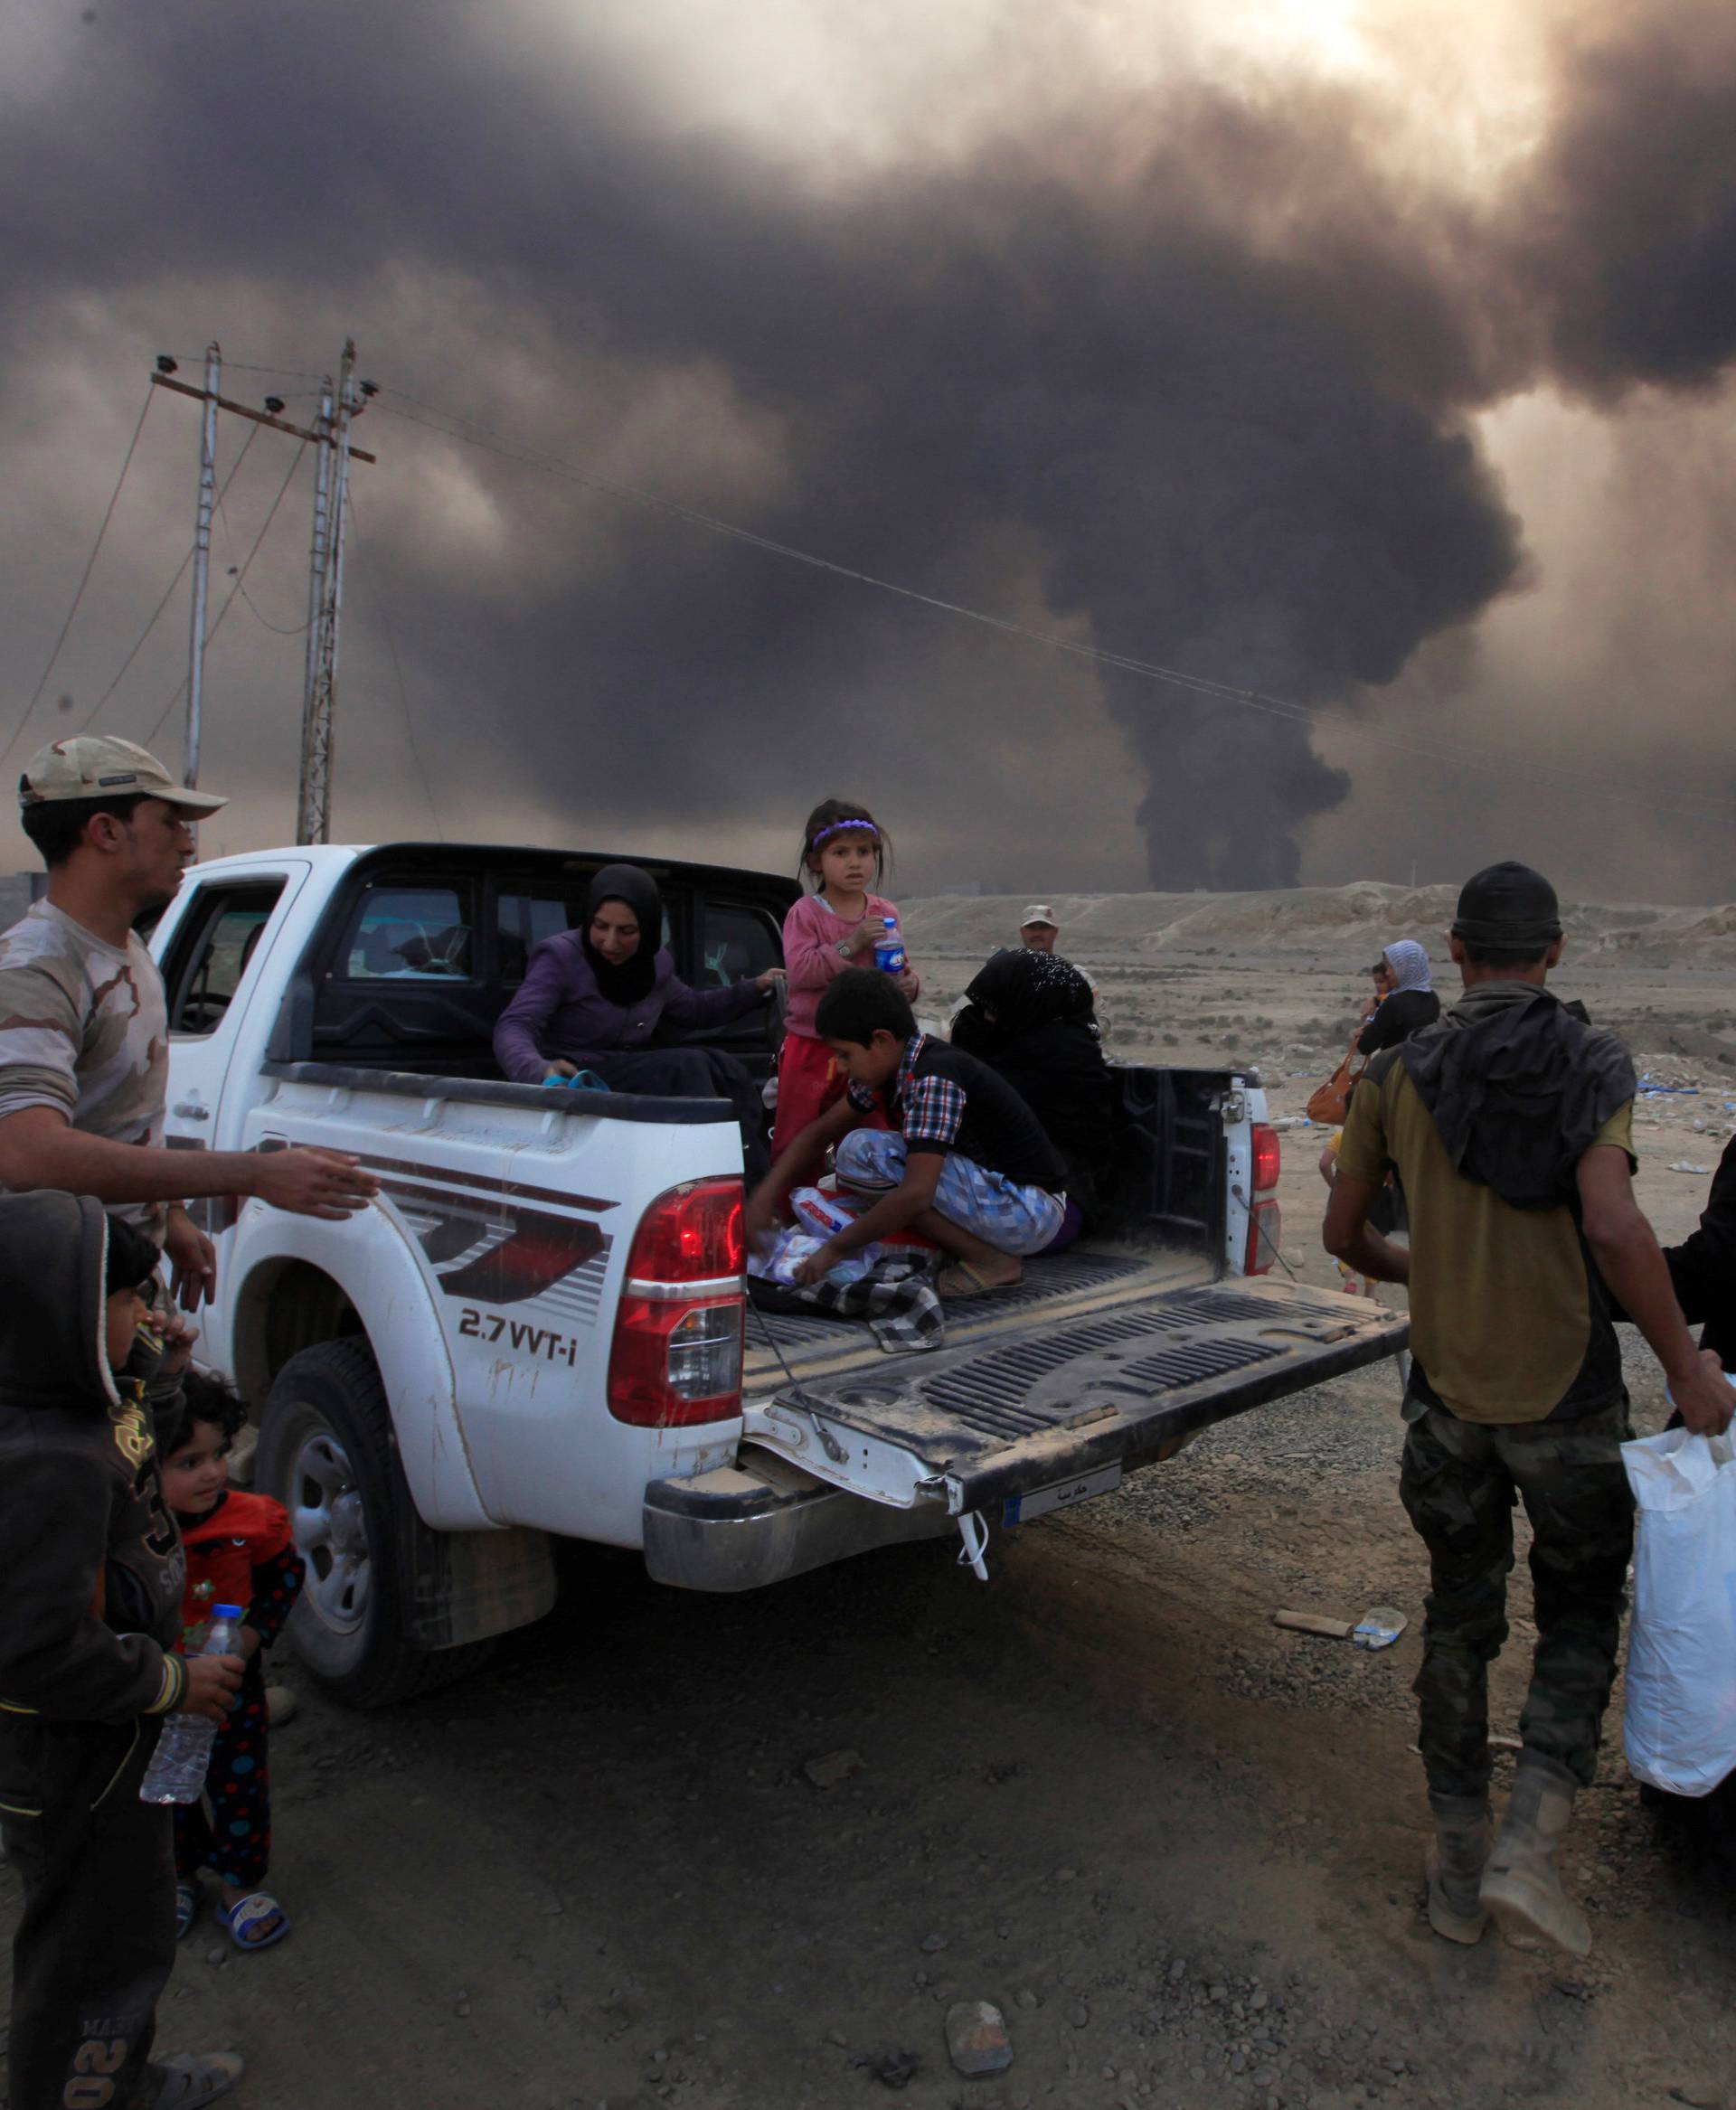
{"x":952,"y":1282}
{"x":253,"y":1910}
{"x":188,"y":1898}
{"x":190,"y":2078}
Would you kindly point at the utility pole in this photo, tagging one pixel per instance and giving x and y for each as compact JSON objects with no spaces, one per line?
{"x":331,"y":436}
{"x":313,"y":810}
{"x":305,"y":820}
{"x":202,"y":556}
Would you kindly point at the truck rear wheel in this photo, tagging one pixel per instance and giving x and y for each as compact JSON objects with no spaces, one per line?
{"x":326,"y":1451}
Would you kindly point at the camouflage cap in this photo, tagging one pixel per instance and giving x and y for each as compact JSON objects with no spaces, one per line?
{"x":97,"y":766}
{"x":1038,"y":913}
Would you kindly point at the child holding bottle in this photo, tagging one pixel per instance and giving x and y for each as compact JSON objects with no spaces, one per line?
{"x":239,"y":1550}
{"x":836,"y":926}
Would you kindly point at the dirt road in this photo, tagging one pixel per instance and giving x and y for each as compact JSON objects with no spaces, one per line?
{"x":1179,"y":1848}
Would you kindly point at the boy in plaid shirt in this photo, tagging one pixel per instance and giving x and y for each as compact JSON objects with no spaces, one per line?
{"x":964,"y":1162}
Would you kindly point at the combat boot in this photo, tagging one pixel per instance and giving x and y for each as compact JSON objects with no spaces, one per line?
{"x":1463,"y":1833}
{"x":1522,"y":1885}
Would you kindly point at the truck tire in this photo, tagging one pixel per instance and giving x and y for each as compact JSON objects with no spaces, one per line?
{"x":328,"y":1452}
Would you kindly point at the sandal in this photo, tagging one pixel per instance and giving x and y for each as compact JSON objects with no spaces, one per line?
{"x":257,"y":1909}
{"x":190,"y":2078}
{"x":961,"y":1279}
{"x":188,"y":1898}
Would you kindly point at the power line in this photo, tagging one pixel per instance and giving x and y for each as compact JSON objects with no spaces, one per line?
{"x":241,"y":366}
{"x":229,"y":601}
{"x":451,"y":425}
{"x":1202,"y":684}
{"x":409,"y":726}
{"x":89,"y":566}
{"x":404,"y":698}
{"x":279,"y":629}
{"x":1427,"y":747}
{"x":139,"y":642}
{"x":168,"y":591}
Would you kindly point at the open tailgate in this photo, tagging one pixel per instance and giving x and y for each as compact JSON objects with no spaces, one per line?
{"x":1062,"y":1400}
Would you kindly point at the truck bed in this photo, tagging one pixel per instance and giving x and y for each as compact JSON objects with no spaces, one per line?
{"x":1098,"y":1358}
{"x":782,"y":1344}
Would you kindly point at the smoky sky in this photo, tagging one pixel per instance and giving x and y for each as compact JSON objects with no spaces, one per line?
{"x":1193,"y":376}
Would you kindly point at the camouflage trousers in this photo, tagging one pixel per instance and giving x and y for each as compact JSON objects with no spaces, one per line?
{"x":1459,"y":1483}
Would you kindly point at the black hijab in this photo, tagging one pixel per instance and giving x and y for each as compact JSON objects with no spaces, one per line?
{"x":634,"y":978}
{"x":1043,"y":1039}
{"x":1029,"y":989}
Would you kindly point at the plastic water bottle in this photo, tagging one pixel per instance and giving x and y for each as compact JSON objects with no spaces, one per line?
{"x":889,"y":951}
{"x":176,"y":1772}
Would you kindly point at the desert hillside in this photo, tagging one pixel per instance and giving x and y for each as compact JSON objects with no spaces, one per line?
{"x":1277,"y":979}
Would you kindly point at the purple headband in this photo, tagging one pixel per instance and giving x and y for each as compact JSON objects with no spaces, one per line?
{"x":844,"y":828}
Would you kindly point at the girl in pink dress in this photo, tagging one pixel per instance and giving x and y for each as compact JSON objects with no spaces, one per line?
{"x":835,"y":927}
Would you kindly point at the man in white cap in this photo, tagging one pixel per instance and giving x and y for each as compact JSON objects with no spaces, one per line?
{"x":1038,"y":931}
{"x":83,"y":1024}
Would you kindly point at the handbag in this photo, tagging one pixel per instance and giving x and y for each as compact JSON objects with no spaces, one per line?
{"x":1331,"y":1100}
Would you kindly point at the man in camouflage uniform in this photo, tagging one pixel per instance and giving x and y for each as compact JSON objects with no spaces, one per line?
{"x":1510,"y":1125}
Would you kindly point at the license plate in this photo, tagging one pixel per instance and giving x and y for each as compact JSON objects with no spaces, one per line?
{"x":1019,"y":1509}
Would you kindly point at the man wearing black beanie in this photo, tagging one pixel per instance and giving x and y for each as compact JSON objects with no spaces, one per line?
{"x":1510,"y":1126}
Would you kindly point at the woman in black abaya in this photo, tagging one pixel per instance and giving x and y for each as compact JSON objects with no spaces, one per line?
{"x":1029,"y":1015}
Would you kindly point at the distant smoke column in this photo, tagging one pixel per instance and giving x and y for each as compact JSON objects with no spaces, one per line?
{"x":1305,"y":555}
{"x":1230,"y":790}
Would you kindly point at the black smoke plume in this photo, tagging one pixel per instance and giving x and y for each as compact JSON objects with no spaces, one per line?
{"x":1201,"y":371}
{"x":1622,"y":233}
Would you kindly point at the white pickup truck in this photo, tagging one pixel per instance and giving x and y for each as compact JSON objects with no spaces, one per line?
{"x":540,"y":1329}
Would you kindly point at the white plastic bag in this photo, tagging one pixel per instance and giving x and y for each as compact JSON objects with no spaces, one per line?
{"x":780,"y":1253}
{"x":823,"y":1216}
{"x":1681,"y":1720}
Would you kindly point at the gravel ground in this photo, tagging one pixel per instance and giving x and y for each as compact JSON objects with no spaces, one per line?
{"x":1178,"y":1848}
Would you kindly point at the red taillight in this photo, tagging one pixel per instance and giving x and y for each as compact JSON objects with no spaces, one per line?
{"x":676,"y":1356}
{"x":691,"y":1234}
{"x":673,"y":1364}
{"x":1267,"y":1156}
{"x":1265,"y":1229}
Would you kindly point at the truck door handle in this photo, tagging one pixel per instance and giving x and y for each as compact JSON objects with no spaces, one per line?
{"x":191,"y":1110}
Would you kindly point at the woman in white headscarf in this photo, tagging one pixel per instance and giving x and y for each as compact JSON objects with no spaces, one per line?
{"x":1404,"y":1003}
{"x":1405,"y":997}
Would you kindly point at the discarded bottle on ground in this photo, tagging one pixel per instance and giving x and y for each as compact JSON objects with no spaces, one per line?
{"x":889,"y":951}
{"x":176,"y":1772}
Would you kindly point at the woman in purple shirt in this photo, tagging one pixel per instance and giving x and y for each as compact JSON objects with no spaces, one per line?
{"x":605,"y":997}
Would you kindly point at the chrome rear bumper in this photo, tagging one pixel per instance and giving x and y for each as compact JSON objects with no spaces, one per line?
{"x":741,"y":1527}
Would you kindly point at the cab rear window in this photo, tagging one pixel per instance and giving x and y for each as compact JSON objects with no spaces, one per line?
{"x":409,"y":934}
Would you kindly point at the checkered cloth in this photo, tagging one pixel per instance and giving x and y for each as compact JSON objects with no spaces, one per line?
{"x":896,"y":1297}
{"x":1003,"y":1214}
